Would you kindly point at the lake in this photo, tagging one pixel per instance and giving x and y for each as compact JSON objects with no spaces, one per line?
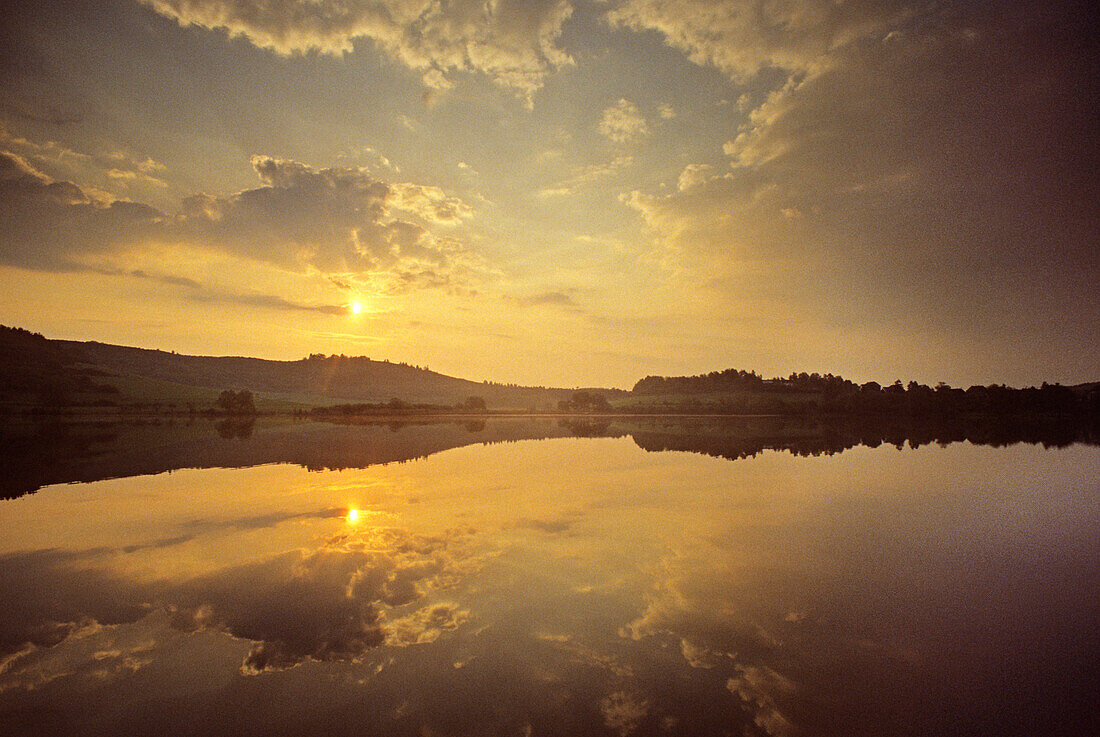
{"x":545,"y":576}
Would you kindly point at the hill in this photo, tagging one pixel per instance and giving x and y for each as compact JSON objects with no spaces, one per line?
{"x":39,"y":374}
{"x":37,"y":371}
{"x":314,"y":379}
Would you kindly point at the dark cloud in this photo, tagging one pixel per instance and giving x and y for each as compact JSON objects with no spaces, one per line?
{"x":759,"y":687}
{"x":934,"y":161}
{"x":260,"y":521}
{"x":168,"y":542}
{"x":557,"y":299}
{"x":334,"y":220}
{"x":294,"y":606}
{"x":745,"y":37}
{"x":623,"y":712}
{"x":49,"y":114}
{"x":324,"y":605}
{"x":268,"y":301}
{"x":197,"y":292}
{"x":43,"y":223}
{"x":554,"y":524}
{"x":51,"y":593}
{"x":176,"y":281}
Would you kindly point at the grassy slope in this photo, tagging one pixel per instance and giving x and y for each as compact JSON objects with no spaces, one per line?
{"x":157,"y":391}
{"x":324,"y":381}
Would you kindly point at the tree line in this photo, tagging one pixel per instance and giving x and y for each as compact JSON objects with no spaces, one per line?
{"x":826,"y":393}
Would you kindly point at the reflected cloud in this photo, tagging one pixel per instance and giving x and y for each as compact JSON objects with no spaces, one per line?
{"x":696,"y":657}
{"x":623,"y":712}
{"x":584,"y":654}
{"x":260,"y":521}
{"x":732,"y":617}
{"x":327,"y":604}
{"x":698,"y":600}
{"x":167,"y":542}
{"x":557,"y":523}
{"x":758,"y":687}
{"x":426,"y":625}
{"x":98,"y":653}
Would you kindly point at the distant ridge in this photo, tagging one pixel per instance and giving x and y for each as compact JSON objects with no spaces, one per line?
{"x":320,"y":378}
{"x":36,"y":371}
{"x":40,"y":374}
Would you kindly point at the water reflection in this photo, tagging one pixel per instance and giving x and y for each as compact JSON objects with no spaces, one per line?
{"x":579,"y":584}
{"x":37,"y":454}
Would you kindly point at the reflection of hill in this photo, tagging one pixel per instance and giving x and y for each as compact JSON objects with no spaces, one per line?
{"x":36,"y":455}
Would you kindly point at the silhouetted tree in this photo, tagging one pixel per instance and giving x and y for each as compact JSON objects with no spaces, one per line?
{"x":583,"y":401}
{"x":237,"y":403}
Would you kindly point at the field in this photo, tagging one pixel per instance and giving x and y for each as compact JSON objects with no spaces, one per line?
{"x":732,"y":402}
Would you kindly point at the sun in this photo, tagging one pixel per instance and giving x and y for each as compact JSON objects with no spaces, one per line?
{"x":356,"y":308}
{"x":353,"y":516}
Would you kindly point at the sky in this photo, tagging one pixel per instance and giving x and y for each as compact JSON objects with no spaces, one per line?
{"x":561,"y":192}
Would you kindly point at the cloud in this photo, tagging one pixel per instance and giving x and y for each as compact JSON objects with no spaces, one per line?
{"x":622,"y":123}
{"x":266,"y":301}
{"x":936,"y":160}
{"x":198,"y":292}
{"x":586,"y":175}
{"x":59,"y":596}
{"x":48,"y":114}
{"x":578,"y":652}
{"x":430,"y":203}
{"x":42,"y":219}
{"x":702,"y":600}
{"x":744,"y":37}
{"x":335,"y":220}
{"x":694,"y":175}
{"x":114,"y":171}
{"x":513,"y":42}
{"x":555,"y":299}
{"x":325,"y":605}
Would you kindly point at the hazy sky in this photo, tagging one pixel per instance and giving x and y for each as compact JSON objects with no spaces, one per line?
{"x":560,"y":192}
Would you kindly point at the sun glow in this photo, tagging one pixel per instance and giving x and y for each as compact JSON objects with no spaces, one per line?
{"x":353,"y":516}
{"x":356,"y":308}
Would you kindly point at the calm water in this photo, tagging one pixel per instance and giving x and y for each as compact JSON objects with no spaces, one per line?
{"x":512,"y":578}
